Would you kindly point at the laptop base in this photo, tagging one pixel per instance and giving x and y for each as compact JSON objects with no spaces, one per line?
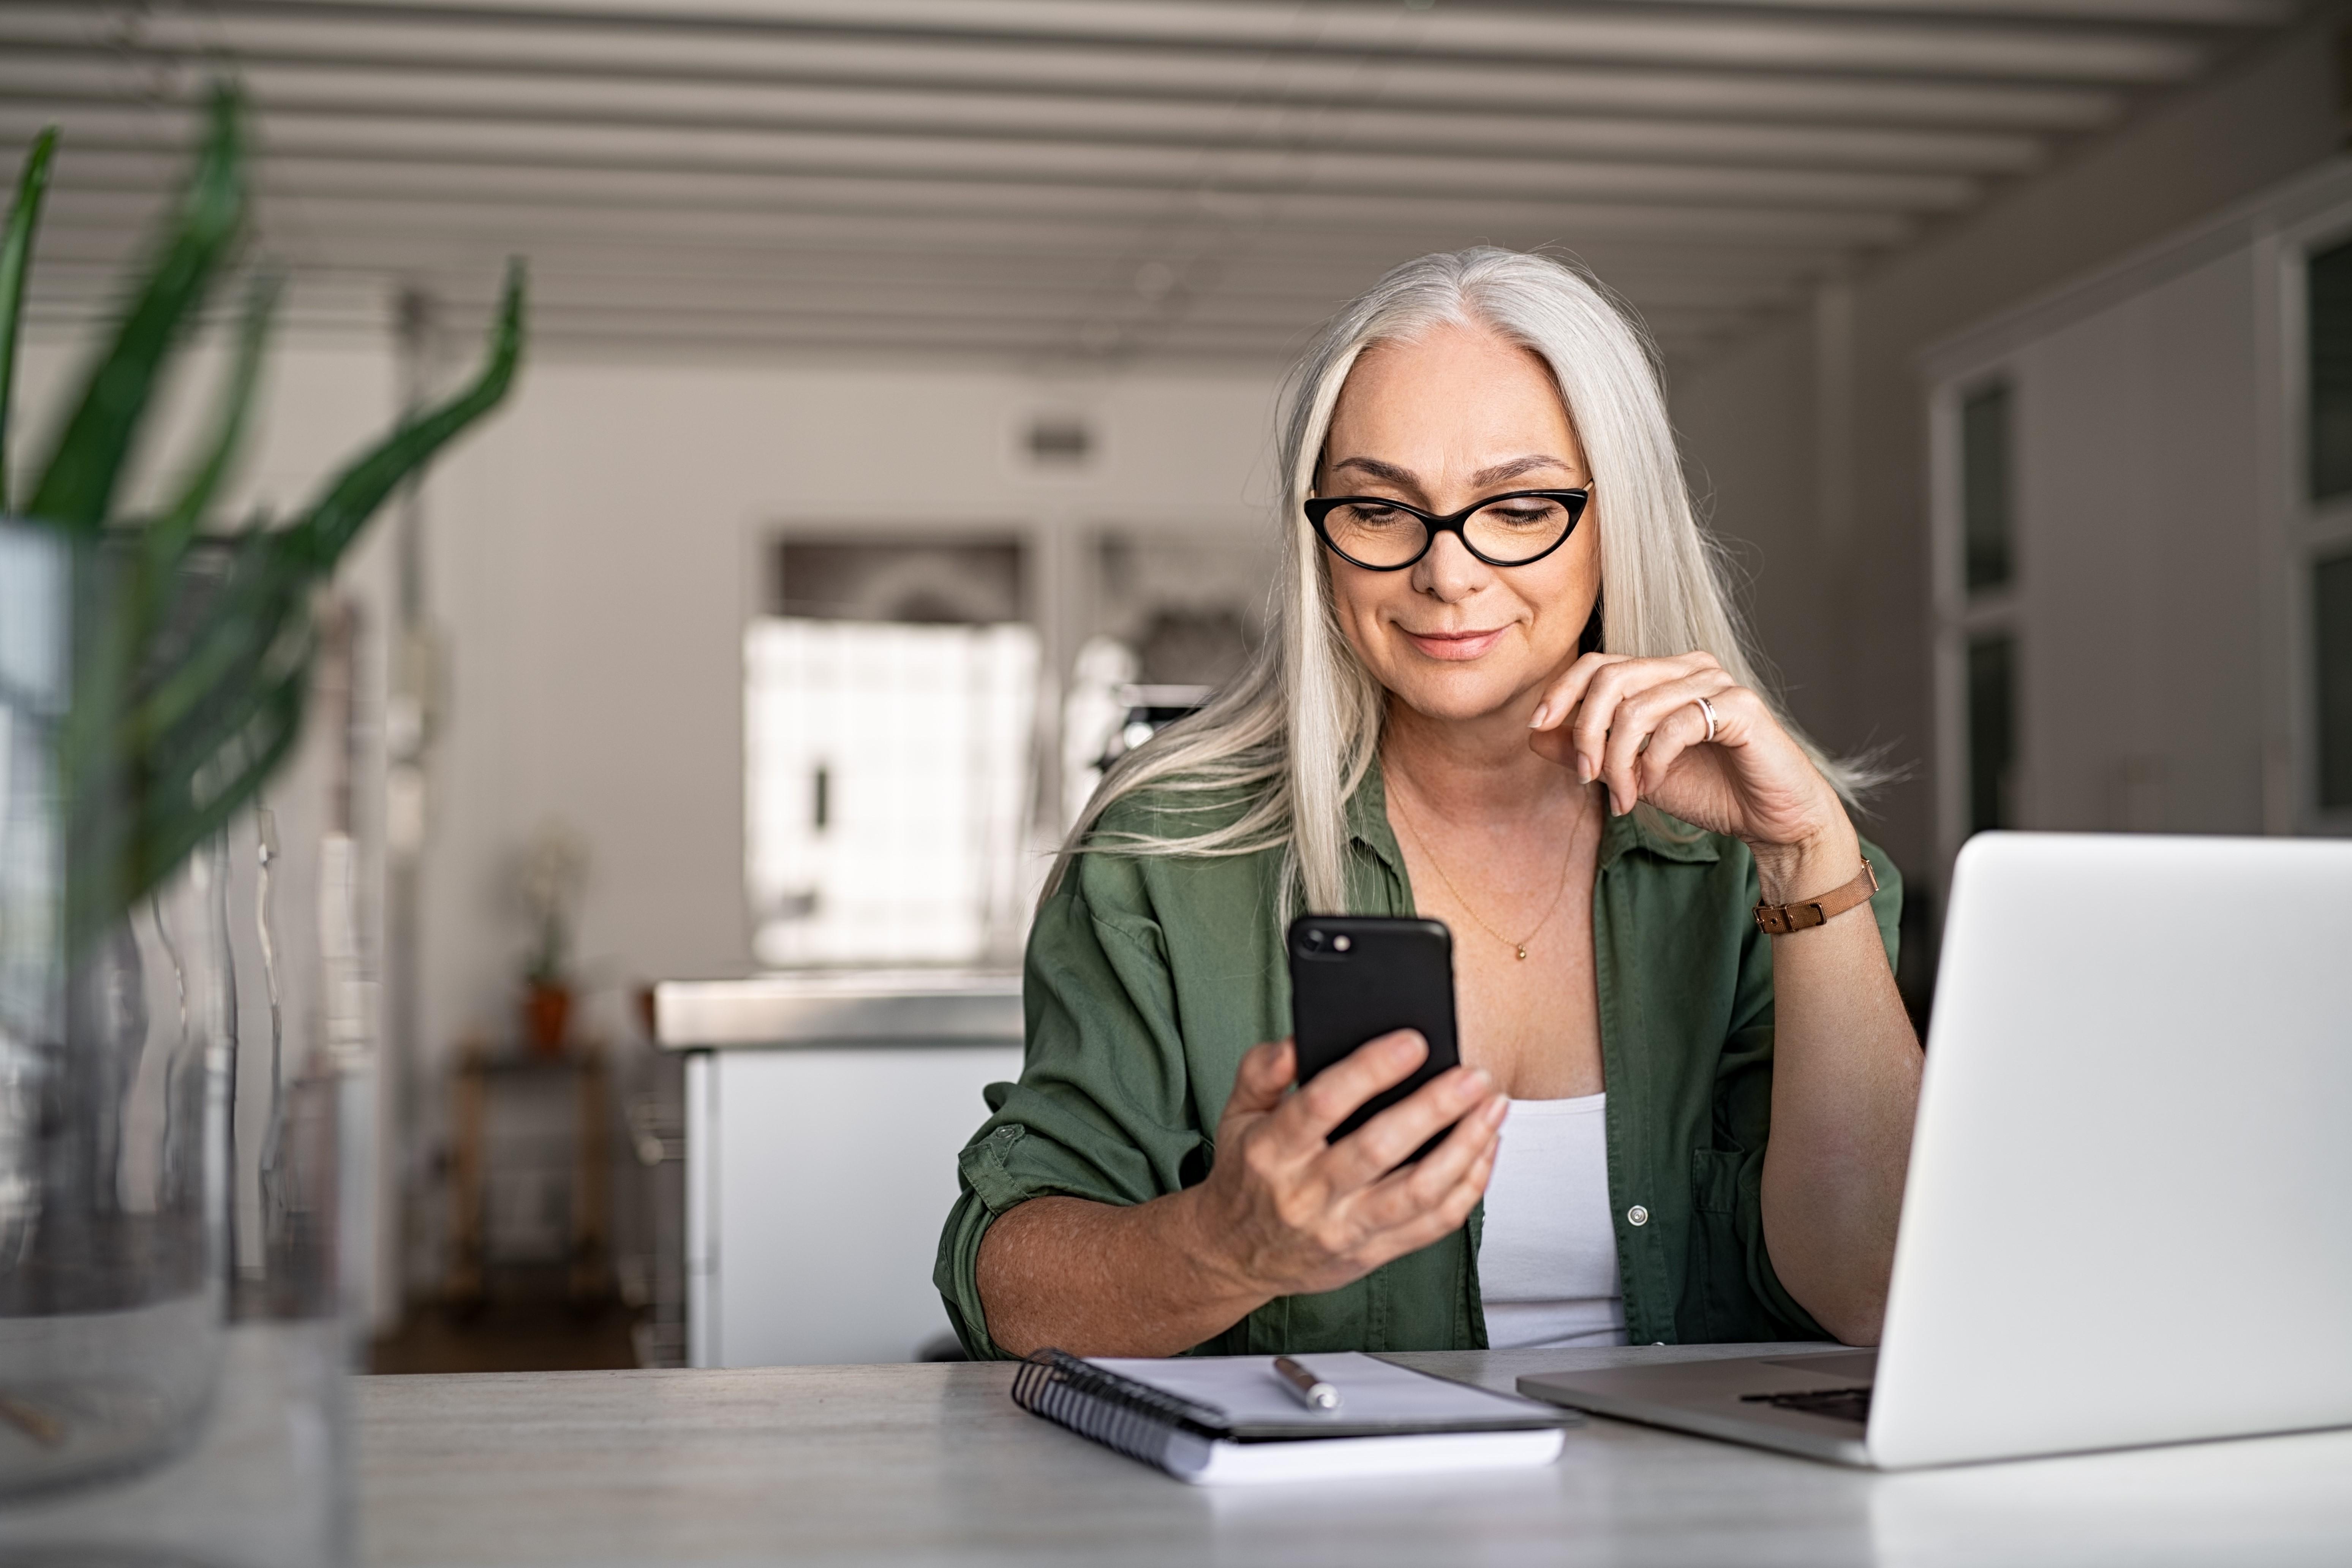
{"x":1761,"y":1401}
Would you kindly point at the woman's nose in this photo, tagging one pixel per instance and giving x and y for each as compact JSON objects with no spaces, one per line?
{"x":1449,"y":572}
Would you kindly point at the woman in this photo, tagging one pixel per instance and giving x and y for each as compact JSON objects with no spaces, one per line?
{"x":1507,"y":691}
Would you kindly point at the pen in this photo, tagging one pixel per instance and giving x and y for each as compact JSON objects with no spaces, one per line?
{"x":1312,"y":1391}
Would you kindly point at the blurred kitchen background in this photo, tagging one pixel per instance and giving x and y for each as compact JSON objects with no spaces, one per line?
{"x":893,"y":448}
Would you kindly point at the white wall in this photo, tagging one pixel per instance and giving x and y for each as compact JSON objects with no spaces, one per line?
{"x":595,"y":554}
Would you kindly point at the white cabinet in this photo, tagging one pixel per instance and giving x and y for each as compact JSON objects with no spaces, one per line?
{"x":824,"y":1116}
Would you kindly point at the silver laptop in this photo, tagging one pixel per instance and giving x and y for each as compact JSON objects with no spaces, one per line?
{"x":2128,"y":1217}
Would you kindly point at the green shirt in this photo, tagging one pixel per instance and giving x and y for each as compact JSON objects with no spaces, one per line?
{"x":1148,"y":976}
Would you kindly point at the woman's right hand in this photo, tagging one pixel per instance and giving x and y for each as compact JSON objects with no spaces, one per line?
{"x":1286,"y":1214}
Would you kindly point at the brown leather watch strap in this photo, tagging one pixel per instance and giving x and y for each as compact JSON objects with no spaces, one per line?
{"x":1780,"y":919}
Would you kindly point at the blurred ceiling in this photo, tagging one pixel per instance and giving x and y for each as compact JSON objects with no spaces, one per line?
{"x":1072,"y":181}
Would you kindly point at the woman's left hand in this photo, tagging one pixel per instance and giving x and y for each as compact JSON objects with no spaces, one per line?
{"x":1635,"y":724}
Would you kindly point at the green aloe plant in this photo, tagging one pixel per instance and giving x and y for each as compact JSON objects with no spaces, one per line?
{"x":192,"y":642}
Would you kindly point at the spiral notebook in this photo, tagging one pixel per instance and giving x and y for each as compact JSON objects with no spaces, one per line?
{"x":1225,"y":1420}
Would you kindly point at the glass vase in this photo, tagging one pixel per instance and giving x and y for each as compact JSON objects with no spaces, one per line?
{"x":184,"y":1095}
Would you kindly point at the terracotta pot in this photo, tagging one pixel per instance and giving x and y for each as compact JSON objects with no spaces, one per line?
{"x":547,"y":1017}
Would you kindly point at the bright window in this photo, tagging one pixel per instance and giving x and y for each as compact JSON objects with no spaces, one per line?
{"x":887,"y":790}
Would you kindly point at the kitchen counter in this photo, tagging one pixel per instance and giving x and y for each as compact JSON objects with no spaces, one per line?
{"x":824,"y":1111}
{"x":840,"y":1006}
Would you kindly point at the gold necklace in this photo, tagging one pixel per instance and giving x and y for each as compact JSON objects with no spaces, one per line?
{"x":1520,"y":946}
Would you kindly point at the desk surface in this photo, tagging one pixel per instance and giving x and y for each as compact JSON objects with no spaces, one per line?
{"x":933,"y":1464}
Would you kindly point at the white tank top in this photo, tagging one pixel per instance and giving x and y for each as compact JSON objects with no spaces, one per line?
{"x":1548,"y":1250}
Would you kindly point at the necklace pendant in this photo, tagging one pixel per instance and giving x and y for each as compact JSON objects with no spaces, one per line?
{"x":1523,"y":949}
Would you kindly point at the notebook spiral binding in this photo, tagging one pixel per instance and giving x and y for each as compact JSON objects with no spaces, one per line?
{"x":1118,"y":1413}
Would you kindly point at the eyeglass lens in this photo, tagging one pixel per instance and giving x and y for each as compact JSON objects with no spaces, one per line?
{"x":1519,"y":529}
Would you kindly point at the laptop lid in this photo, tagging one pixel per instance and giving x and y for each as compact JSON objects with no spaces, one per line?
{"x":2128,"y":1217}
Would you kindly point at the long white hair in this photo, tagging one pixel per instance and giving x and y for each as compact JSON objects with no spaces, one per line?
{"x":1289,"y":742}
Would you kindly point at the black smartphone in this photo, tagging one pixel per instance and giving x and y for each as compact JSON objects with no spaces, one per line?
{"x":1354,"y":978}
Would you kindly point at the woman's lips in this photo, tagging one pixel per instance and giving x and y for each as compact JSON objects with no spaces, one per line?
{"x":1454,"y":644}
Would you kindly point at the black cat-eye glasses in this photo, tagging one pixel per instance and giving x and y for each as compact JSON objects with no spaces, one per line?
{"x":1380,"y":534}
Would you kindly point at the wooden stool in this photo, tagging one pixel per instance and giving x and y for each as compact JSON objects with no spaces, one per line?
{"x":588,"y":1274}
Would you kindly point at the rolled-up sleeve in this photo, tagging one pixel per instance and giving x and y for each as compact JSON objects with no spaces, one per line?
{"x":1729,"y":1178}
{"x":1103,"y":1109}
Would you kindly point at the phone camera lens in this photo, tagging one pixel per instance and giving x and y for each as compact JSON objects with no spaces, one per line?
{"x":1340,"y":944}
{"x":1314,"y":938}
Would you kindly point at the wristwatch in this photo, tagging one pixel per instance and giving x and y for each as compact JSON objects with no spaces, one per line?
{"x":1780,"y":919}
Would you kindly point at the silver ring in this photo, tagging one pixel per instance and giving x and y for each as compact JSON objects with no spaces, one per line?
{"x":1708,"y":709}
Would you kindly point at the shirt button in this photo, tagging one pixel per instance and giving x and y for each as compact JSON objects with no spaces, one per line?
{"x":1637,"y":1215}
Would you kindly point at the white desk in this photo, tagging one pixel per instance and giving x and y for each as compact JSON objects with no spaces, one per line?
{"x":917,"y":1465}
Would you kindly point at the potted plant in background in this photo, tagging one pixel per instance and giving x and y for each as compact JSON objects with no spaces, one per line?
{"x":177,"y":1180}
{"x":549,"y":880}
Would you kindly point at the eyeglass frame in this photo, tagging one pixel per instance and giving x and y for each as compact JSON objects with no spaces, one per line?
{"x":1318,"y":508}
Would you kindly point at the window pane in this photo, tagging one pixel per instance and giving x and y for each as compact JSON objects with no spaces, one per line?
{"x":1984,"y":487}
{"x":1993,"y":733}
{"x":2331,"y":582}
{"x":887,"y":790}
{"x":2331,"y":372}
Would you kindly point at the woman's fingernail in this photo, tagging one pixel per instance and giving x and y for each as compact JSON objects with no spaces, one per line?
{"x":1535,"y":719}
{"x":1583,"y":768}
{"x":1496,"y":1108}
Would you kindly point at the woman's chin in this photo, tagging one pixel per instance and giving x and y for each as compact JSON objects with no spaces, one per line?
{"x":1461,"y":696}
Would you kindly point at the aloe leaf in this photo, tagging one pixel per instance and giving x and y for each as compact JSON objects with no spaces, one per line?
{"x":15,"y":266}
{"x":167,"y":536}
{"x":238,"y":625}
{"x":156,"y":728}
{"x":139,"y":855}
{"x":330,"y":525}
{"x":181,"y":756}
{"x":126,"y":691}
{"x":129,"y":639}
{"x":272,"y":724}
{"x":77,"y":483}
{"x":138,"y":771}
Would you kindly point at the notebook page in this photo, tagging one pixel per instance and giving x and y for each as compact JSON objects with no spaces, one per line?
{"x":1250,"y":1393}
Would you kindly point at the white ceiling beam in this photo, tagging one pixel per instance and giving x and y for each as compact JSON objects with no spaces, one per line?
{"x":2037,"y":71}
{"x":288,"y":140}
{"x":843,"y":306}
{"x":647,"y":196}
{"x":1626,"y":34}
{"x":1312,"y":284}
{"x":2178,"y":13}
{"x":170,"y":46}
{"x":876,"y":320}
{"x":171,"y":50}
{"x":79,"y":85}
{"x":947,"y":239}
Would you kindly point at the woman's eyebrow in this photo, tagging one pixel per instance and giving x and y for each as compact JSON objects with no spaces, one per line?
{"x":1514,"y":468}
{"x":1377,"y":470}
